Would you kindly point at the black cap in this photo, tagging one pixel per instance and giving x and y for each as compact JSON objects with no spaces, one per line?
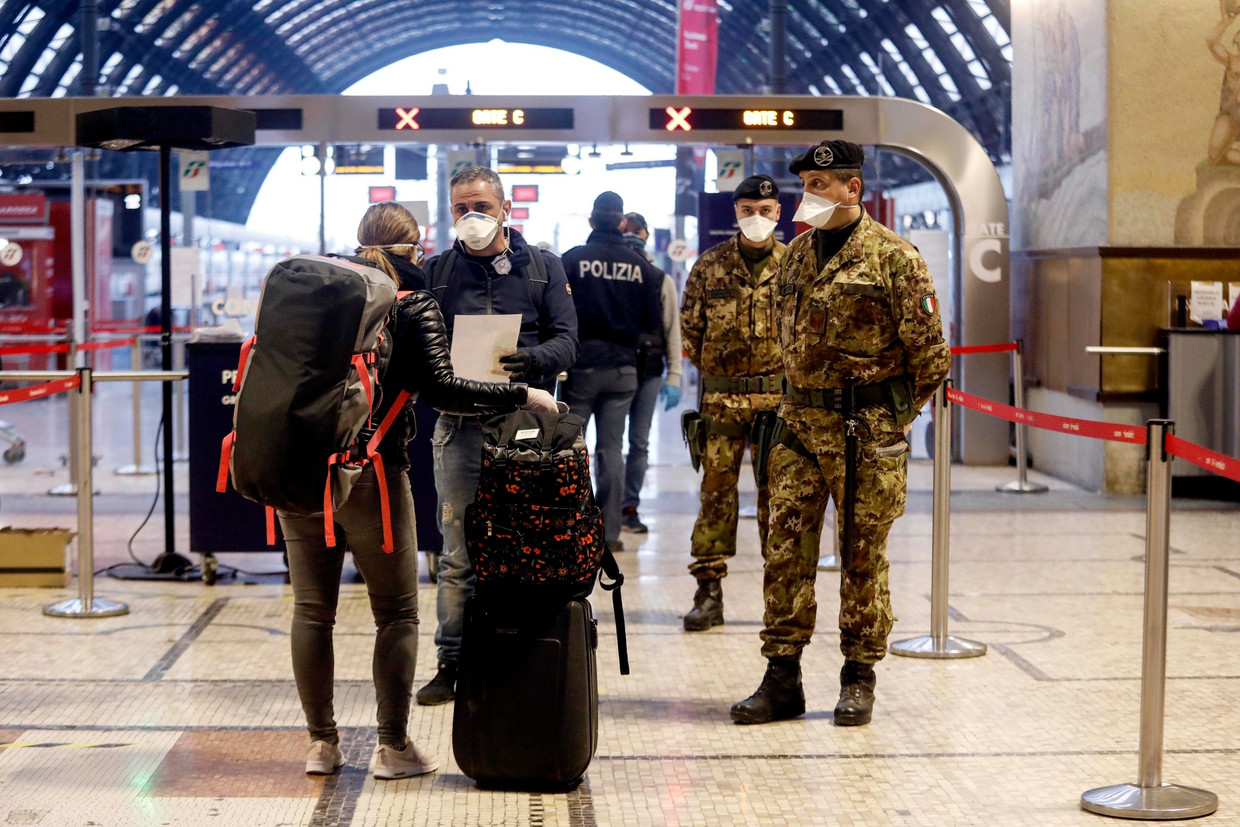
{"x":756,"y":187}
{"x":609,"y":202}
{"x":829,"y":155}
{"x":636,"y":222}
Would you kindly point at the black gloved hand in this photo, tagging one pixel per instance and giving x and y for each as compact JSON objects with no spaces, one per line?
{"x":518,"y":364}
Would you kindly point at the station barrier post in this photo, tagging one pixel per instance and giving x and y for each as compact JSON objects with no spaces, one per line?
{"x":1150,"y":798}
{"x":1021,"y":484}
{"x":939,"y":644}
{"x":137,"y":468}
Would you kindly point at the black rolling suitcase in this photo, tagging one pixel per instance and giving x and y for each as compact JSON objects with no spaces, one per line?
{"x":526,"y":714}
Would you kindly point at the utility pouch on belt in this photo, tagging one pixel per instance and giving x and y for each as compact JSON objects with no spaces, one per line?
{"x":900,"y":399}
{"x":766,"y":425}
{"x":694,"y":428}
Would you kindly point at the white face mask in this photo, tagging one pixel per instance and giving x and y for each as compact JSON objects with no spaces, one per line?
{"x":476,"y":229}
{"x":815,"y":210}
{"x":757,"y":228}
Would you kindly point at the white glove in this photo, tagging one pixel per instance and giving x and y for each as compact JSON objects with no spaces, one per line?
{"x":537,"y":399}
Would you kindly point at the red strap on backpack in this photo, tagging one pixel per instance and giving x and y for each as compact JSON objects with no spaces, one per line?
{"x":241,"y":363}
{"x":363,"y":373}
{"x":271,"y":525}
{"x":221,"y":481}
{"x":385,"y":507}
{"x":329,"y":508}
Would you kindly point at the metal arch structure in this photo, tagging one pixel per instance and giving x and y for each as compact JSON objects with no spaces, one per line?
{"x":946,"y":148}
{"x":242,"y":47}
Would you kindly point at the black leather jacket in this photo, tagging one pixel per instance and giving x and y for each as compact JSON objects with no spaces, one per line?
{"x":420,"y":363}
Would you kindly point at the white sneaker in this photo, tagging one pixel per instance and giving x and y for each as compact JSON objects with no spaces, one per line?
{"x":402,"y":763}
{"x":324,"y":758}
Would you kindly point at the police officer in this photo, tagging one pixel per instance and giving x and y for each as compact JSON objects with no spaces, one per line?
{"x":727,"y":324}
{"x":616,"y":292}
{"x":489,"y":270}
{"x":858,"y":318}
{"x":652,"y":386}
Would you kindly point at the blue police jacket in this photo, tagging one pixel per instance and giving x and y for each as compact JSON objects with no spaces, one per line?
{"x":617,"y":293}
{"x":548,"y":318}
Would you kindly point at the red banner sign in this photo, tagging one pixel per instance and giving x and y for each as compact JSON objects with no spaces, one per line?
{"x":23,"y":208}
{"x":697,"y":47}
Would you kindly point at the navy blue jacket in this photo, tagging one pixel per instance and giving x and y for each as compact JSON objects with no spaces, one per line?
{"x":618,"y":298}
{"x":548,"y":319}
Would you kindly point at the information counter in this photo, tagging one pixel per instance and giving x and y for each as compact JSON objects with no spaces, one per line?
{"x":1201,"y":393}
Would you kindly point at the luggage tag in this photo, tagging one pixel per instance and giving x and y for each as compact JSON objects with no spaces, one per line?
{"x":527,"y":433}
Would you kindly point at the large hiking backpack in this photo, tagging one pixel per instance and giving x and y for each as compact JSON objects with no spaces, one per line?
{"x":308,"y":386}
{"x":534,"y":532}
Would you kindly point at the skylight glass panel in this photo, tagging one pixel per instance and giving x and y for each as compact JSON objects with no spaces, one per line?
{"x":945,"y":20}
{"x":832,"y":85}
{"x":853,"y":79}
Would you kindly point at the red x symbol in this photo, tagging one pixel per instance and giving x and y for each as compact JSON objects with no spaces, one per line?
{"x":678,"y":119}
{"x":406,"y":118}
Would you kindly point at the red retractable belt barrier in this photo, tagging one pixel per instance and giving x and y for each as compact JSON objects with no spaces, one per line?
{"x":28,"y":350}
{"x":1062,"y":424}
{"x":39,"y":391}
{"x":18,"y":327}
{"x":1006,"y":347}
{"x":91,"y":346}
{"x":1220,"y":464}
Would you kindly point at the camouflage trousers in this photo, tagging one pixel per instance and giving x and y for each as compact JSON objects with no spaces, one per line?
{"x":714,"y":532}
{"x":799,"y":491}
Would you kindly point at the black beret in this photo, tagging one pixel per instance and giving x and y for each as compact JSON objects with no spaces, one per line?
{"x":636,"y":222}
{"x":609,"y":202}
{"x":756,"y":187}
{"x":829,"y":155}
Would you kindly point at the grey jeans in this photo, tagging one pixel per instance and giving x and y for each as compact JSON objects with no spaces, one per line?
{"x":392,"y":583}
{"x":605,"y":394}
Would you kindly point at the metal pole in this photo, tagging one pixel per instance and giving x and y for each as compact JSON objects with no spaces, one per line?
{"x":1022,"y":485}
{"x":77,"y":325}
{"x":322,"y":198}
{"x":939,"y":644}
{"x":165,"y":337}
{"x":779,"y":68}
{"x":1150,"y":799}
{"x":88,"y":75}
{"x":85,"y":604}
{"x":178,"y":363}
{"x":137,"y":469}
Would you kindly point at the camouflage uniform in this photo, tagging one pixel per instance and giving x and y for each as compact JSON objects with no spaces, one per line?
{"x":870,"y":315}
{"x":729,"y":328}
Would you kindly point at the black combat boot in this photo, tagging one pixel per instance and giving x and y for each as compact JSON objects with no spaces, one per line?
{"x":856,"y":704}
{"x":441,"y":688}
{"x":778,"y":698}
{"x":707,"y":608}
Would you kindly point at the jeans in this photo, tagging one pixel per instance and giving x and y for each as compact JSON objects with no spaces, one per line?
{"x":641,"y":414}
{"x":457,"y":451}
{"x":605,"y":393}
{"x":392,"y":583}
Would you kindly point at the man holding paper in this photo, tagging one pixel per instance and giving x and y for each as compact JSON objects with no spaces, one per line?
{"x":490,"y":271}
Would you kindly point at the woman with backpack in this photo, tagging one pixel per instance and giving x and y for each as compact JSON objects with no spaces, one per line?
{"x":418,"y":363}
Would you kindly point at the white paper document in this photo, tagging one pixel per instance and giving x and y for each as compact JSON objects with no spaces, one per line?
{"x":1206,"y":301}
{"x":479,"y":341}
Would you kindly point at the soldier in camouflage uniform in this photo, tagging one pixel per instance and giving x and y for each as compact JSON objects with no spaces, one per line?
{"x":856,"y":303}
{"x":727,"y":323}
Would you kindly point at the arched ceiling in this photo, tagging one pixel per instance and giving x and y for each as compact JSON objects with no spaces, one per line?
{"x":952,"y":54}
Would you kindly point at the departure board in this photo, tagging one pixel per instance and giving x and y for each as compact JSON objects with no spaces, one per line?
{"x":688,"y":119}
{"x":411,"y":118}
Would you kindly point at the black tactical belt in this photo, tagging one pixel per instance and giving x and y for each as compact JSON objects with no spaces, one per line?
{"x":743,"y":384}
{"x":832,"y":399}
{"x":728,"y":430}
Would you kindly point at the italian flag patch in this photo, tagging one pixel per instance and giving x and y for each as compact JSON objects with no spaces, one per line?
{"x":929,"y":304}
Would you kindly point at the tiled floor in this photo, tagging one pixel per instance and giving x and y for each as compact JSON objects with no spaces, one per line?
{"x":183,"y":712}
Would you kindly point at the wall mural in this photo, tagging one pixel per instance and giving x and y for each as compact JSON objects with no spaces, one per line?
{"x":1059,"y":124}
{"x":1210,"y":216}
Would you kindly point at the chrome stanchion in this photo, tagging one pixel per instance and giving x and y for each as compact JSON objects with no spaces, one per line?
{"x":70,"y":488}
{"x":137,"y":469}
{"x":1021,"y":485}
{"x":1151,"y":799}
{"x":85,"y":604}
{"x":939,"y":644}
{"x":831,"y":560}
{"x":181,"y":454}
